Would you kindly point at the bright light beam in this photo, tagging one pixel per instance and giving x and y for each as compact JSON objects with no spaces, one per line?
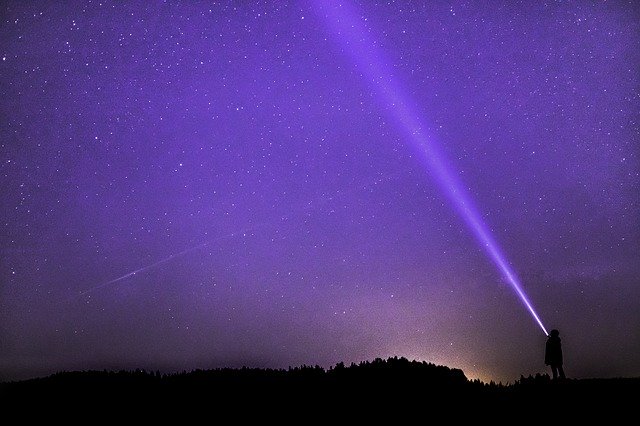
{"x":354,"y":39}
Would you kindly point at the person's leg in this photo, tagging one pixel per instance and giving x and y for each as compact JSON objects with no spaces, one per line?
{"x":561,"y":371}
{"x":554,"y":370}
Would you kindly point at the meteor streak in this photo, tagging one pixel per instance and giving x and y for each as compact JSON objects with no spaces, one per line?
{"x":166,"y":259}
{"x":349,"y":30}
{"x":144,"y":268}
{"x":303,"y":208}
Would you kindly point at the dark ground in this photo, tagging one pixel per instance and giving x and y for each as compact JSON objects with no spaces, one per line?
{"x":395,"y":389}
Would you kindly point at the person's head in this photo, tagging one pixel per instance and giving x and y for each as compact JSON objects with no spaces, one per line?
{"x":554,"y":333}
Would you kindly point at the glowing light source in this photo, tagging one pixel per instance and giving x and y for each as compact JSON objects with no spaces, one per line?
{"x":349,"y":30}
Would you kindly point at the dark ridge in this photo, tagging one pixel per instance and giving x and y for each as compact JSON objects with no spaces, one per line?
{"x":378,"y":385}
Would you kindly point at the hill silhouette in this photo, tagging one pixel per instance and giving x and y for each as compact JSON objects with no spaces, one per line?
{"x":371,"y":386}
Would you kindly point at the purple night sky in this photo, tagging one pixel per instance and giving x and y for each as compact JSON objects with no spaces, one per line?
{"x":256,"y":164}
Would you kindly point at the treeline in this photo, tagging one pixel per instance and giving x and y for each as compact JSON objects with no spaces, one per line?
{"x":369,"y":385}
{"x":379,"y":371}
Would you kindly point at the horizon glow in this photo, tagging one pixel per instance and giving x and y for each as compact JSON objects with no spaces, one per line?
{"x":346,"y":25}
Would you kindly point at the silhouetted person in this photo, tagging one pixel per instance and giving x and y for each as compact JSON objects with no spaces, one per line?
{"x":553,"y":354}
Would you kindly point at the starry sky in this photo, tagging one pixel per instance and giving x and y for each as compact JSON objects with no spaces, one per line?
{"x":238,"y":158}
